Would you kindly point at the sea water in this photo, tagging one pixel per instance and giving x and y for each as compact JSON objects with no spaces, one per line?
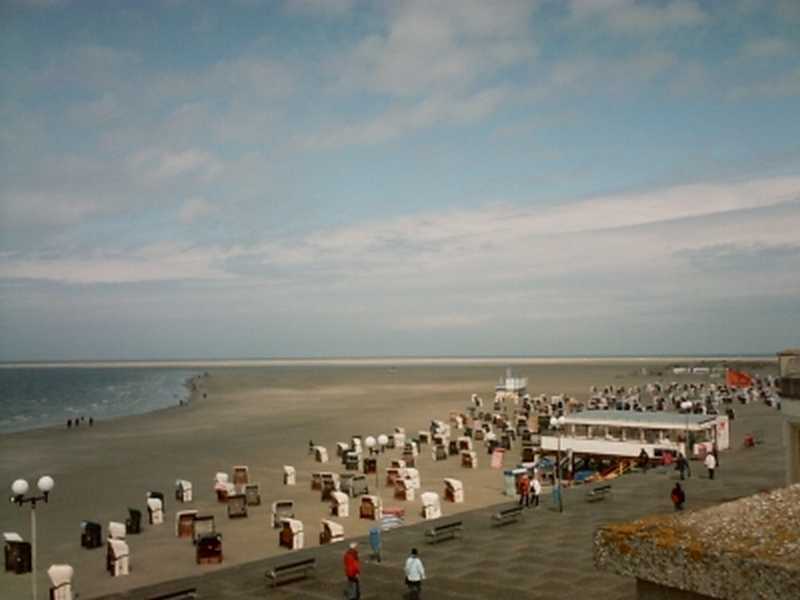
{"x":42,"y":396}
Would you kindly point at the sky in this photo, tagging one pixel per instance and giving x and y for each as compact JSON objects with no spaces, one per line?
{"x":288,"y":178}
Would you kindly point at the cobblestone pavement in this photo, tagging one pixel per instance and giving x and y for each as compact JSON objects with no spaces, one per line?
{"x":546,"y":555}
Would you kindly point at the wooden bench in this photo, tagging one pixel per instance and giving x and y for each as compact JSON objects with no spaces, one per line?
{"x":444,"y":532}
{"x":507,"y":515}
{"x":291,"y":571}
{"x":185,"y":594}
{"x":598,"y":493}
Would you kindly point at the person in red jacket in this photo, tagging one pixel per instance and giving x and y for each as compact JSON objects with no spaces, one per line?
{"x":352,"y":570}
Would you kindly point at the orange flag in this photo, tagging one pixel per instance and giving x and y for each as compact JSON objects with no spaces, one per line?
{"x":740,"y":379}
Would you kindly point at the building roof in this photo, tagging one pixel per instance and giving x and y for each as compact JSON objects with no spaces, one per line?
{"x":632,"y":418}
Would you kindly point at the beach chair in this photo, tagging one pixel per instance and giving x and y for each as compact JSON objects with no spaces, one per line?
{"x":409,"y":458}
{"x":118,"y":558}
{"x":281,"y":509}
{"x":342,"y":449}
{"x":370,"y":466}
{"x":453,"y":490}
{"x":183,"y":490}
{"x":223,"y":487}
{"x":411,"y":448}
{"x":60,"y":582}
{"x":393,"y":474}
{"x":356,"y":445}
{"x":320,"y":454}
{"x":17,"y":553}
{"x":159,"y":496}
{"x":452,"y":448}
{"x":371,"y":508}
{"x":424,"y":437}
{"x":464,"y":443}
{"x":352,"y":461}
{"x":291,"y":534}
{"x":528,"y":453}
{"x":399,"y":437}
{"x":237,"y":506}
{"x":358,"y":486}
{"x":403,"y":490}
{"x":184,"y":523}
{"x":469,"y":459}
{"x":209,"y":549}
{"x":116,"y":530}
{"x":133,"y":524}
{"x":155,"y":512}
{"x":252,"y":493}
{"x":289,"y":475}
{"x":91,"y":534}
{"x":340,"y":504}
{"x":316,"y":480}
{"x":411,"y":475}
{"x":439,"y":452}
{"x":431,"y":505}
{"x":331,"y":532}
{"x":330,"y":483}
{"x":203,"y":525}
{"x":241,"y":475}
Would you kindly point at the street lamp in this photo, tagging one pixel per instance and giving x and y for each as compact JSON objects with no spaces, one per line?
{"x":20,"y":488}
{"x":370,"y":443}
{"x":557,"y":423}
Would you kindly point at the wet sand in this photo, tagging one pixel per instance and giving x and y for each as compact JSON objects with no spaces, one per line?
{"x":262,"y":417}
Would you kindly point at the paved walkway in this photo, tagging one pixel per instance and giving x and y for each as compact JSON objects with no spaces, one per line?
{"x":547,"y":555}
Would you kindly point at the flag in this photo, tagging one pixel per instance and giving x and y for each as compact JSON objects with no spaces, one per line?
{"x":740,"y":379}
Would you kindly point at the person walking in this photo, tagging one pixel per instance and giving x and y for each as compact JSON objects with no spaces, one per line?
{"x":644,"y":460}
{"x":352,"y":570}
{"x":415,"y":573}
{"x":524,"y":491}
{"x":683,"y":466}
{"x":711,"y":464}
{"x":537,"y":490}
{"x":678,"y":496}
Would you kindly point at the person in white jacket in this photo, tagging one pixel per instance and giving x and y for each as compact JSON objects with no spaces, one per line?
{"x":537,"y":490}
{"x":711,"y":464}
{"x":415,"y":573}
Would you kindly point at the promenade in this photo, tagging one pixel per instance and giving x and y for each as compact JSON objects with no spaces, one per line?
{"x":547,"y":555}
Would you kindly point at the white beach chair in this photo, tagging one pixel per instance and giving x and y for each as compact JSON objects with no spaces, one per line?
{"x":412,"y":476}
{"x":320,"y":454}
{"x":340,"y":504}
{"x":60,"y":582}
{"x":291,"y":535}
{"x":116,"y":530}
{"x":331,"y":532}
{"x":155,"y":511}
{"x":431,"y":505}
{"x":371,"y":508}
{"x":342,"y":448}
{"x":289,"y":475}
{"x":183,"y":490}
{"x":282,"y":509}
{"x":469,"y":459}
{"x":453,"y":490}
{"x":119,"y":558}
{"x":403,"y":490}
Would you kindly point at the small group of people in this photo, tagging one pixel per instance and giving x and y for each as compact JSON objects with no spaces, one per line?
{"x":414,"y":573}
{"x":77,"y":422}
{"x":678,"y":495}
{"x":527,"y":487}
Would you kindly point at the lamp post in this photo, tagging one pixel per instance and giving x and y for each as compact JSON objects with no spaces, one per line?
{"x":557,"y":423}
{"x":20,"y":487}
{"x":370,"y":443}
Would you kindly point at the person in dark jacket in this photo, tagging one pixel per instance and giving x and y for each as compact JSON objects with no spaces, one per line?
{"x":678,"y":497}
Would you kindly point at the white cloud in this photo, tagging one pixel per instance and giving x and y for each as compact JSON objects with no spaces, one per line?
{"x":766,"y":48}
{"x":637,"y":17}
{"x":408,"y":118}
{"x":442,"y":45}
{"x":320,"y":7}
{"x":195,"y":208}
{"x":786,"y":84}
{"x":155,"y":165}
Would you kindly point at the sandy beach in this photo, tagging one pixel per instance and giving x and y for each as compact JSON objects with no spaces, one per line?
{"x":262,"y":417}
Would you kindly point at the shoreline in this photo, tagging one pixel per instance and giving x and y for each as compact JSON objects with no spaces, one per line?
{"x":386,"y":361}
